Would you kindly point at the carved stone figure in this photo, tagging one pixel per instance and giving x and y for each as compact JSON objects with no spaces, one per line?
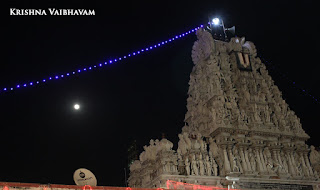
{"x":285,"y":164}
{"x":252,"y":159}
{"x":315,"y":159}
{"x":314,"y":156}
{"x":213,"y":147}
{"x":187,"y":163}
{"x":235,"y":165}
{"x":187,"y":140}
{"x":208,"y":166}
{"x":195,"y":170}
{"x":203,"y":47}
{"x":215,"y":167}
{"x":182,"y":144}
{"x":201,"y":165}
{"x":267,"y":114}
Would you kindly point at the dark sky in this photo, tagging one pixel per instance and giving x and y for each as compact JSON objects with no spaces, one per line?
{"x":43,"y":140}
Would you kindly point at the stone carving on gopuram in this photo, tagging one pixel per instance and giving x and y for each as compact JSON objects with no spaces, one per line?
{"x":238,"y":128}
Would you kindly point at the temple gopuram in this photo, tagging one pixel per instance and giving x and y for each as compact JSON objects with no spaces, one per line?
{"x":239,"y":132}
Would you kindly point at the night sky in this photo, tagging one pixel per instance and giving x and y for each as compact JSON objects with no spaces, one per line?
{"x":44,"y":140}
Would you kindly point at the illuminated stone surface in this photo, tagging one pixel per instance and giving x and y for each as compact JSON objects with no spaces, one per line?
{"x":237,"y":125}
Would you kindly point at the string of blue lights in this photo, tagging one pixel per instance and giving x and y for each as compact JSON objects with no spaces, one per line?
{"x":291,"y":82}
{"x":89,"y":68}
{"x":135,"y":53}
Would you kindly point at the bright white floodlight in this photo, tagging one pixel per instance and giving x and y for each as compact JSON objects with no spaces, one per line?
{"x":76,"y":106}
{"x":215,"y":21}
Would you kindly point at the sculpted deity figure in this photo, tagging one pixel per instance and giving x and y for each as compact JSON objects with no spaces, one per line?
{"x":267,"y":114}
{"x":201,"y":165}
{"x":194,"y":165}
{"x":187,"y":163}
{"x":238,"y":159}
{"x":196,"y":144}
{"x":235,"y":165}
{"x":284,"y":162}
{"x":274,"y":120}
{"x":182,"y":145}
{"x":187,"y":140}
{"x":215,"y":166}
{"x":252,"y":160}
{"x":314,"y":156}
{"x":208,"y":166}
{"x":213,"y":147}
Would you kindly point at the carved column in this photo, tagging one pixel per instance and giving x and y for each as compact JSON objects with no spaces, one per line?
{"x":263,"y":162}
{"x":275,"y":156}
{"x":293,"y":163}
{"x":261,"y":168}
{"x":305,"y":155}
{"x":230,"y":156}
{"x":304,"y":167}
{"x":279,"y":158}
{"x":244,"y":162}
{"x":291,"y":169}
{"x":226,"y":159}
{"x":247,"y":159}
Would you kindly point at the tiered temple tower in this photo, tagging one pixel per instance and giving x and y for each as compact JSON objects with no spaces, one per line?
{"x":237,"y":128}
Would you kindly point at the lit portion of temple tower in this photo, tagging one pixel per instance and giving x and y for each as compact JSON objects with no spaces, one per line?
{"x":237,"y":127}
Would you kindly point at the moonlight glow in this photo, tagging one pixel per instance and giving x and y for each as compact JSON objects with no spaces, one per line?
{"x":76,"y":106}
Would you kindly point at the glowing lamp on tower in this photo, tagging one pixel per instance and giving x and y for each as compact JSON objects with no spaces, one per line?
{"x":216,"y":21}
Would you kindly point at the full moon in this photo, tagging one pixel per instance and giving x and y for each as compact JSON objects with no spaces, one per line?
{"x":76,"y":106}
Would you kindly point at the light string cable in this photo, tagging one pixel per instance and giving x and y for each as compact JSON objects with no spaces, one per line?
{"x":292,"y":83}
{"x":88,"y":68}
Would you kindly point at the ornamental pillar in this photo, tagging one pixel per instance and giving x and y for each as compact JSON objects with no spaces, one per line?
{"x":244,"y":162}
{"x":226,"y":159}
{"x":305,"y":155}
